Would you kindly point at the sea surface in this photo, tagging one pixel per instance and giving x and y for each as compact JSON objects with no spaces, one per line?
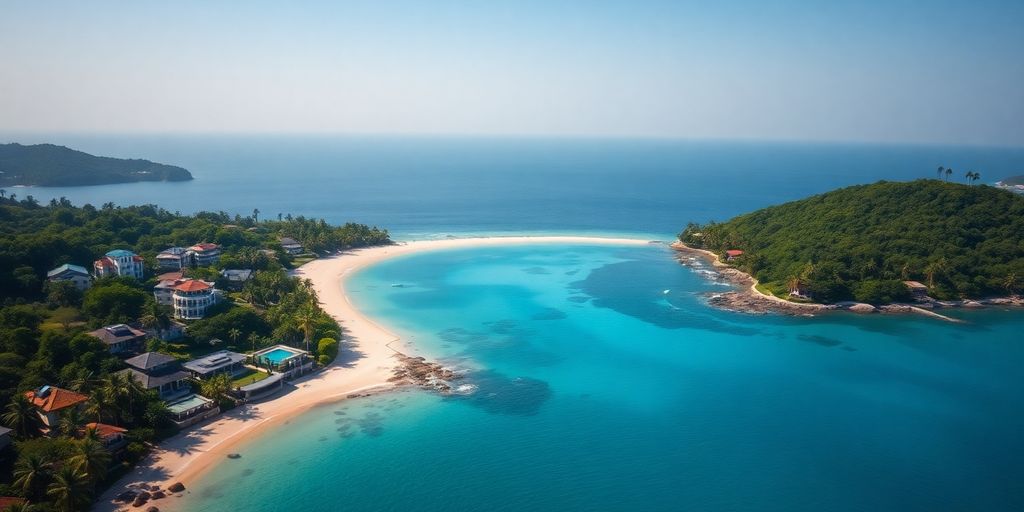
{"x":597,"y":377}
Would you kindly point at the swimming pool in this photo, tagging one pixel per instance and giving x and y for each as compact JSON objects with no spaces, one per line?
{"x":277,"y":355}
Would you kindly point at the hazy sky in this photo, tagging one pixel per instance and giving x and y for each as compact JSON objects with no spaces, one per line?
{"x":895,"y":71}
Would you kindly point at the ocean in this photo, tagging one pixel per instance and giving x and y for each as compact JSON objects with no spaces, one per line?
{"x":597,"y":378}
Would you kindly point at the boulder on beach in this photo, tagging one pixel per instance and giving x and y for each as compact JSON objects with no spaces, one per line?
{"x":152,"y":509}
{"x":157,"y":495}
{"x":139,"y":501}
{"x":862,"y":308}
{"x":973,"y":304}
{"x":176,"y":487}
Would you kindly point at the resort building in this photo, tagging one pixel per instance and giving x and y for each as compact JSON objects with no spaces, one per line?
{"x":291,"y":245}
{"x":236,"y":278}
{"x":120,"y":338}
{"x":74,"y":274}
{"x":221,"y":361}
{"x":121,"y":263}
{"x":161,"y":372}
{"x":114,"y":438}
{"x":732,"y":254}
{"x":191,"y":298}
{"x":204,"y":254}
{"x":191,"y":409}
{"x":163,"y":292}
{"x":283,"y":359}
{"x":173,"y":258}
{"x":51,"y":401}
{"x":917,"y":290}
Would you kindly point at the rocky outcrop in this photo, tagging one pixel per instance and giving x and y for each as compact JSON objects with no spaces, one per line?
{"x":176,"y":487}
{"x":418,"y":371}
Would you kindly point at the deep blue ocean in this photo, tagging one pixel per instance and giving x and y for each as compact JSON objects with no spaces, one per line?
{"x":598,"y":379}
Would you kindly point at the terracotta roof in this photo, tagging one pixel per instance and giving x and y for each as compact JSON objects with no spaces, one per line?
{"x":104,"y":430}
{"x":56,"y":399}
{"x":192,"y":285}
{"x":136,"y":258}
{"x":734,"y":252}
{"x":205,"y":246}
{"x":170,"y":276}
{"x":105,"y":262}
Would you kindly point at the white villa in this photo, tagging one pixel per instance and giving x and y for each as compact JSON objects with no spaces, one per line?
{"x":78,"y":276}
{"x":119,"y":262}
{"x":191,"y":298}
{"x":178,"y":258}
{"x":172,"y":258}
{"x":205,"y":254}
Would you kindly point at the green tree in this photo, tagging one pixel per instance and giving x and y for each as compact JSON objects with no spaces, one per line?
{"x":31,"y":474}
{"x":21,"y":416}
{"x":91,"y":459}
{"x":69,"y":489}
{"x":113,"y":303}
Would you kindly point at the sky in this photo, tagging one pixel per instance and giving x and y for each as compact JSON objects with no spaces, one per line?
{"x":896,"y":71}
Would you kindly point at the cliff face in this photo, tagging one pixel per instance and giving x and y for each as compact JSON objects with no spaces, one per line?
{"x":47,"y":165}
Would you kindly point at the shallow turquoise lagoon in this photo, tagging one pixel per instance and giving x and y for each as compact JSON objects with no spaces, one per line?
{"x":598,"y":380}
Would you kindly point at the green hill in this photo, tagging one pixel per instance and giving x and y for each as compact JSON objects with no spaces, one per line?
{"x":860,"y":242}
{"x":47,"y":165}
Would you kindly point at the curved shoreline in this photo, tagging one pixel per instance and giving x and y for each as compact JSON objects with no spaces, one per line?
{"x":365,"y":365}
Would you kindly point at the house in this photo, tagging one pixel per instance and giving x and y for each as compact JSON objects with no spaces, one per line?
{"x":205,"y":254}
{"x":191,"y":409}
{"x":173,"y":258}
{"x":120,"y":338}
{"x":236,"y":278}
{"x":291,"y":245}
{"x":5,"y":438}
{"x":917,"y":290}
{"x":171,"y":276}
{"x":732,"y":254}
{"x":74,"y":274}
{"x":51,"y":401}
{"x":114,"y":438}
{"x":161,"y":372}
{"x":191,"y":298}
{"x":221,"y":361}
{"x":119,"y":262}
{"x":163,"y":292}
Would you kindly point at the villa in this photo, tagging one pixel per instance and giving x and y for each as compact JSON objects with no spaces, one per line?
{"x":191,"y":298}
{"x":290,"y":361}
{"x":291,"y":245}
{"x":205,"y":254}
{"x":191,"y":409}
{"x":75,"y":274}
{"x":732,"y":254}
{"x":114,"y":438}
{"x":173,"y":258}
{"x":161,"y":372}
{"x":236,"y":278}
{"x":222,"y":361}
{"x":120,"y":338}
{"x":119,"y":262}
{"x":50,"y":402}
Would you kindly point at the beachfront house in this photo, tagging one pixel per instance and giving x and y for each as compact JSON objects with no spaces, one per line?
{"x":160,"y":372}
{"x":191,"y":298}
{"x":221,"y":361}
{"x":917,"y":290}
{"x":114,"y":438}
{"x":119,"y":263}
{"x":236,"y":278}
{"x":50,"y":402}
{"x":74,"y":274}
{"x":191,"y":409}
{"x":173,"y":258}
{"x":291,"y":245}
{"x":121,"y":338}
{"x":290,"y":361}
{"x":204,"y":254}
{"x":732,"y":254}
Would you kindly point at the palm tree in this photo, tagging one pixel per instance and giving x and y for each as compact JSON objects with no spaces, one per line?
{"x":91,"y":458}
{"x":256,"y":215}
{"x":307,"y":322}
{"x":216,"y":387}
{"x":70,"y":422}
{"x":1011,"y":283}
{"x":21,"y":415}
{"x":936,"y":267}
{"x":31,"y":473}
{"x":939,"y":171}
{"x":234,"y":334}
{"x":949,"y":172}
{"x":69,"y":489}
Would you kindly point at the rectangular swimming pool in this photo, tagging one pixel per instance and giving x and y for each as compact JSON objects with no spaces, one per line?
{"x":277,"y":355}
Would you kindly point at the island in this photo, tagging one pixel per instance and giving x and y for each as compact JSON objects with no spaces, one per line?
{"x":923,"y":243}
{"x":49,"y":165}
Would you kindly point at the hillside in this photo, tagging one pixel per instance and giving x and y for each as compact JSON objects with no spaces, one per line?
{"x":860,"y":242}
{"x":47,"y":165}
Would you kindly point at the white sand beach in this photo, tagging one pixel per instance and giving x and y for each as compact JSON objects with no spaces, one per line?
{"x":365,"y":365}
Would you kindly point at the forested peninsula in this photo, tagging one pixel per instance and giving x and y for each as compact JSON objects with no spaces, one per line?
{"x":881,"y":243}
{"x":48,"y":165}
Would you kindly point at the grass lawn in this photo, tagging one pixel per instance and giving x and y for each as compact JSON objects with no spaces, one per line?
{"x":248,"y":377}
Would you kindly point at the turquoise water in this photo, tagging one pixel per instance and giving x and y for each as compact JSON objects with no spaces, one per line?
{"x":277,"y":355}
{"x":602,"y":382}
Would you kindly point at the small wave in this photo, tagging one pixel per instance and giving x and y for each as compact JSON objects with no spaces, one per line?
{"x":465,"y":389}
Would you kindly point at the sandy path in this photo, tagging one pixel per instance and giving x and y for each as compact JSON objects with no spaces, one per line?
{"x":365,"y":364}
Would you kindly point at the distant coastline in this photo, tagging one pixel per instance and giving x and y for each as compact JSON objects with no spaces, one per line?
{"x":48,"y":165}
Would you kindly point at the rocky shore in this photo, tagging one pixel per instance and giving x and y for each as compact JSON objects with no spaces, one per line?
{"x":417,"y":371}
{"x":747,"y":299}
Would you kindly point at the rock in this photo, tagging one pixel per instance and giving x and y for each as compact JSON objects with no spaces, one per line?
{"x":152,"y":509}
{"x":126,"y":497}
{"x":862,"y":308}
{"x":973,"y":304}
{"x":139,"y":502}
{"x":145,"y":495}
{"x":158,"y":495}
{"x":234,"y":455}
{"x":176,"y":487}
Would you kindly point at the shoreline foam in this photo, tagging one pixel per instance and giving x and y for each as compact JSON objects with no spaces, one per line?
{"x":365,"y":365}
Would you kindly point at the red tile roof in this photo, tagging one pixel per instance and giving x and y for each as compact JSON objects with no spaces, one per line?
{"x":192,"y":285}
{"x":104,"y":262}
{"x":734,"y":252}
{"x":170,"y":276}
{"x":205,"y":246}
{"x":104,"y":430}
{"x":57,"y":399}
